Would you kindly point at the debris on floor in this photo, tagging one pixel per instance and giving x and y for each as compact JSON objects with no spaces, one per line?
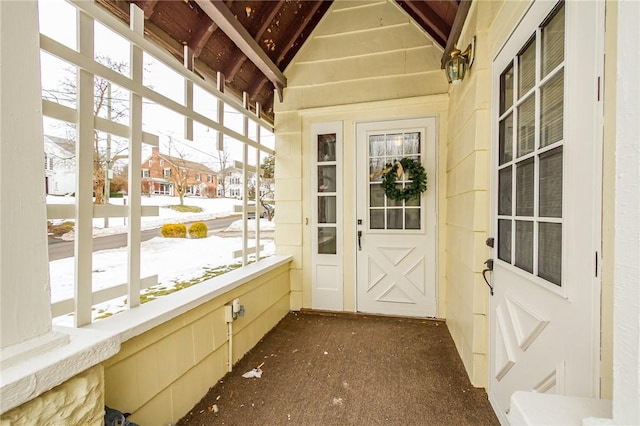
{"x":337,"y":401}
{"x":255,"y":373}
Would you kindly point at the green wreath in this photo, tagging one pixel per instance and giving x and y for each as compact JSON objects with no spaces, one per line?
{"x":417,"y":174}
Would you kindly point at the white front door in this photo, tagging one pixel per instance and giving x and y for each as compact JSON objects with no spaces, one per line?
{"x":546,"y":205}
{"x":396,"y":257}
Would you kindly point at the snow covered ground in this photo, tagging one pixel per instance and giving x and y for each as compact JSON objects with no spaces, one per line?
{"x":173,"y":260}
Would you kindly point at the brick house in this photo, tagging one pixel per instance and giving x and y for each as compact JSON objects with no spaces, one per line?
{"x":161,"y":173}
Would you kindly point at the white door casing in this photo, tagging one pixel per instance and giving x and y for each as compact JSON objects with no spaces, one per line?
{"x":396,"y":252}
{"x":546,"y":208}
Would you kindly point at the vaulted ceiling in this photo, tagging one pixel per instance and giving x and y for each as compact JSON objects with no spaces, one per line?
{"x":251,"y":42}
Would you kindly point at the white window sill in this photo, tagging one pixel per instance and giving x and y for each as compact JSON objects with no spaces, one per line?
{"x":34,"y":367}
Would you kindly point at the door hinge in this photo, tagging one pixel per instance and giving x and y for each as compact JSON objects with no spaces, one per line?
{"x":598,"y":89}
{"x":596,"y":263}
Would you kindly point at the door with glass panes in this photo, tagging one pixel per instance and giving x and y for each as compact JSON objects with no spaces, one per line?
{"x":546,"y":208}
{"x":396,"y":240}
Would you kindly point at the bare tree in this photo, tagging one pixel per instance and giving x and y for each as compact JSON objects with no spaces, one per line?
{"x":267,"y":186}
{"x":179,"y":171}
{"x":222,"y":164}
{"x":110,"y":103}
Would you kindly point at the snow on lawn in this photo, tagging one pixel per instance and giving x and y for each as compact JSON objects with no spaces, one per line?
{"x":174,"y":260}
{"x":212,"y":208}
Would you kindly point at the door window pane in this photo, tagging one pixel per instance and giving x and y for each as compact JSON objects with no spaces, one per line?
{"x":524,"y":245}
{"x":550,"y":204}
{"x":524,"y":188}
{"x":394,"y":145}
{"x":327,"y":147}
{"x":376,"y":219}
{"x":506,"y":139}
{"x":394,"y":219}
{"x":411,"y":143}
{"x":527,"y":68}
{"x":553,"y":41}
{"x":526,"y":126}
{"x":327,"y":209}
{"x":376,"y":165}
{"x":552,"y":110}
{"x":505,"y":182}
{"x":506,"y":89}
{"x":326,"y":178}
{"x":550,"y":252}
{"x":327,"y":240}
{"x":376,"y":145}
{"x":376,"y":196}
{"x":412,"y":218}
{"x":504,"y":240}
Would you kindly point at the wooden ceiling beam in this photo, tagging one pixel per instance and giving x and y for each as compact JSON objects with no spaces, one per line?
{"x":235,"y":67}
{"x":148,"y":8}
{"x":456,"y":30}
{"x":301,"y":28}
{"x":256,"y":87}
{"x":431,"y":19}
{"x":201,"y":37}
{"x":222,"y":16}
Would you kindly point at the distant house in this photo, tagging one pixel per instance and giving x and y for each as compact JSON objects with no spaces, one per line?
{"x":161,"y":173}
{"x":59,"y":165}
{"x":232,"y":188}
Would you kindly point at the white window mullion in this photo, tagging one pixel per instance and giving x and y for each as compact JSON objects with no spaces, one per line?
{"x":258,"y":185}
{"x":245,"y":176}
{"x":188,"y":93}
{"x":83,"y":242}
{"x":536,"y":144}
{"x":135,"y":159}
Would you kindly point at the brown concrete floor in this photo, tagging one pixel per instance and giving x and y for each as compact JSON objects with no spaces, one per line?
{"x":324,"y":369}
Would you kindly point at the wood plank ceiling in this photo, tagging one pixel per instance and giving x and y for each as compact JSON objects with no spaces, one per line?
{"x":277,"y":28}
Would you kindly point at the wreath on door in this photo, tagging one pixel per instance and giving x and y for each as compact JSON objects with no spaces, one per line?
{"x":392,"y":172}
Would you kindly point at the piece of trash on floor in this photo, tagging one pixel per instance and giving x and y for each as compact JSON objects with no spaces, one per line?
{"x":326,"y":353}
{"x":218,"y":398}
{"x":337,"y":401}
{"x":289,"y":417}
{"x":255,"y":373}
{"x":215,"y":408}
{"x":294,"y":351}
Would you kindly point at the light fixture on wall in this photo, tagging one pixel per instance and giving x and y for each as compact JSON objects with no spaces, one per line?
{"x":460,"y":62}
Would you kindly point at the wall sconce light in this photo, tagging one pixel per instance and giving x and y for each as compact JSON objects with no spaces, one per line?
{"x":456,"y":67}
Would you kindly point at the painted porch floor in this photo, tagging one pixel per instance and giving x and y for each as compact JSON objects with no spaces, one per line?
{"x":325,"y":369}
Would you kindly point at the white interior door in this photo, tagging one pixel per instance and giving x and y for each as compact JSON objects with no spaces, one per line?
{"x":396,"y":258}
{"x":546,"y":207}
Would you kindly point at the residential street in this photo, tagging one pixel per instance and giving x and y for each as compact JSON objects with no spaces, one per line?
{"x":59,"y":249}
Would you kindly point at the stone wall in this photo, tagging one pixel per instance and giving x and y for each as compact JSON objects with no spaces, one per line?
{"x":78,"y":401}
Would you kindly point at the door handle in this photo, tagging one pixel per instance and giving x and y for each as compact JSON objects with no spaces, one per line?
{"x":359,"y":240}
{"x":489,"y":268}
